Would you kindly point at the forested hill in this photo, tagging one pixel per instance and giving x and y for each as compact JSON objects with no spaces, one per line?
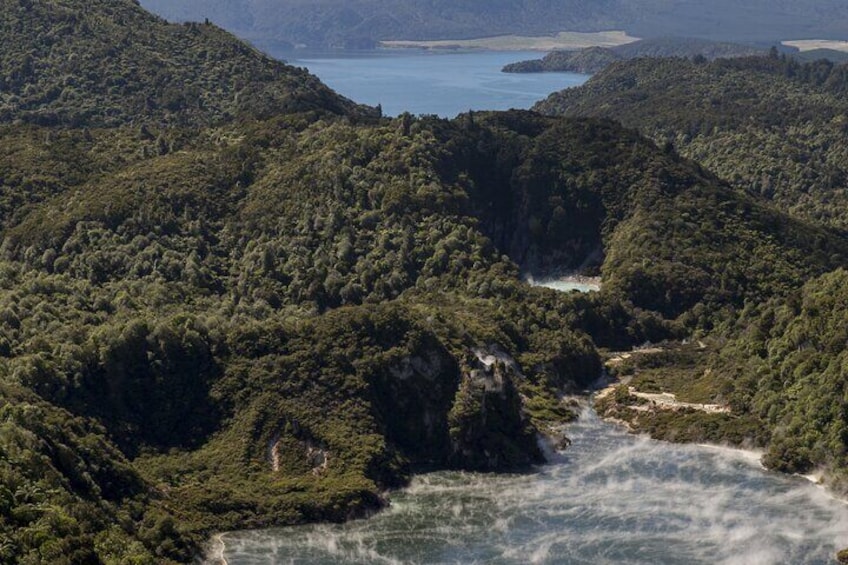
{"x":769,"y":125}
{"x":775,"y":128}
{"x":362,"y":23}
{"x":109,"y":62}
{"x":265,"y":305}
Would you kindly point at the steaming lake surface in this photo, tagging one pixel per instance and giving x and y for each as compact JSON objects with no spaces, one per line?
{"x":432,"y":82}
{"x":610,"y":498}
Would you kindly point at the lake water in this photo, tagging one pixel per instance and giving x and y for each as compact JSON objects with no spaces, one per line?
{"x":432,"y":82}
{"x":610,"y":498}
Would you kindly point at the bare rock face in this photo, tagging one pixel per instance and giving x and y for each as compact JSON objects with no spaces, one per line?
{"x":411,"y":399}
{"x":314,"y":455}
{"x":317,"y":457}
{"x":488,"y":428}
{"x":438,"y":411}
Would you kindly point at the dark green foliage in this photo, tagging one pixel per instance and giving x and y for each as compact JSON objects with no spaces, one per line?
{"x":772,"y":127}
{"x":151,"y":381}
{"x":67,"y":495}
{"x":795,"y":366}
{"x":193,"y":304}
{"x":280,"y":318}
{"x":781,"y":369}
{"x":189,"y":302}
{"x":487,"y":428}
{"x":562,"y":194}
{"x":585,"y":61}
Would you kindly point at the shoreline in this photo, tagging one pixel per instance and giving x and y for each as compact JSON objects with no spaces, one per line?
{"x":817,"y":478}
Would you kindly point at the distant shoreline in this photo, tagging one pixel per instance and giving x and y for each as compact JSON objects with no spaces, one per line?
{"x":566,"y":40}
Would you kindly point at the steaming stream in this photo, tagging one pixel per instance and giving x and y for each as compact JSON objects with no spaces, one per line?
{"x":610,"y":498}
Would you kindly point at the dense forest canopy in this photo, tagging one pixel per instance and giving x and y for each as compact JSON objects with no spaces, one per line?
{"x":774,"y":128}
{"x":263,"y":304}
{"x":769,"y":125}
{"x":102,"y":64}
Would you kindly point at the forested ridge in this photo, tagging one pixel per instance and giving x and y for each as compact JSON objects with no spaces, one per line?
{"x":270,"y":306}
{"x":101,"y":64}
{"x":769,"y":125}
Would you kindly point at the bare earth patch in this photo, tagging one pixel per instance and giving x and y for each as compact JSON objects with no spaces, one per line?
{"x":618,"y":357}
{"x":668,"y":401}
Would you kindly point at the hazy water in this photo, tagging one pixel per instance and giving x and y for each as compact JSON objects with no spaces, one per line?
{"x":611,"y":498}
{"x":567,"y":285}
{"x":432,"y":82}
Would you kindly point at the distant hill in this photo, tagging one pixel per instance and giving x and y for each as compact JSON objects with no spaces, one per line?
{"x":594,"y":59}
{"x":362,"y":23}
{"x":687,"y":47}
{"x":586,"y":61}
